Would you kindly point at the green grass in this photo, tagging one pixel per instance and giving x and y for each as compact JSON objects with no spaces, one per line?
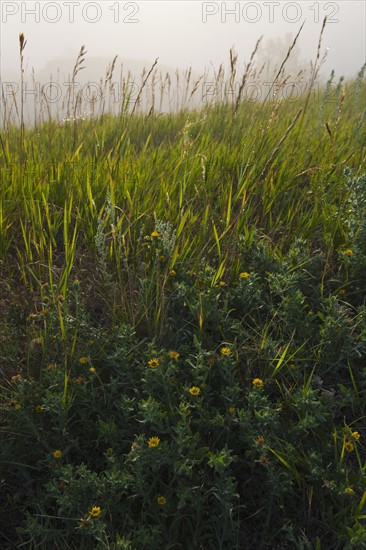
{"x":124,"y":238}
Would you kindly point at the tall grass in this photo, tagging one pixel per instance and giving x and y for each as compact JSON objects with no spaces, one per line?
{"x":210,"y":175}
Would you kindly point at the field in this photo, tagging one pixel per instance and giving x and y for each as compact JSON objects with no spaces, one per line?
{"x":183,"y":326}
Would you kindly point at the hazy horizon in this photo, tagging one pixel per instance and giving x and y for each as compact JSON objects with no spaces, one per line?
{"x":181,"y":34}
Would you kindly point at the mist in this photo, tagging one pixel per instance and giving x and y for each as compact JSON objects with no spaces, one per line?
{"x":179,"y":33}
{"x":131,"y":36}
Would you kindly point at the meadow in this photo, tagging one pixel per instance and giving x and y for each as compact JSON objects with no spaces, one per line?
{"x":183,"y":323}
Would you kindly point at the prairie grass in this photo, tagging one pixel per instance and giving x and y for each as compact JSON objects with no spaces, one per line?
{"x":195,"y":279}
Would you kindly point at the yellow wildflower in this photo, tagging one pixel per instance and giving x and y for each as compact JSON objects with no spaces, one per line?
{"x":39,"y":408}
{"x":153,"y":441}
{"x":155,"y":234}
{"x":172,"y":273}
{"x":231,"y":410}
{"x":348,"y":252}
{"x":244,"y":275}
{"x":194,"y":390}
{"x":57,"y":454}
{"x":161,"y":500}
{"x":95,"y":511}
{"x":222,"y":283}
{"x":174,"y":355}
{"x":349,"y":447}
{"x":153,"y":363}
{"x":258,"y":383}
{"x":83,"y":360}
{"x":349,"y":491}
{"x":92,"y":370}
{"x":260,"y":440}
{"x":225,"y":351}
{"x":356,"y":436}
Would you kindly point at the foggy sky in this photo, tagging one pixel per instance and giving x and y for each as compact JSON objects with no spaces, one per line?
{"x":181,"y":33}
